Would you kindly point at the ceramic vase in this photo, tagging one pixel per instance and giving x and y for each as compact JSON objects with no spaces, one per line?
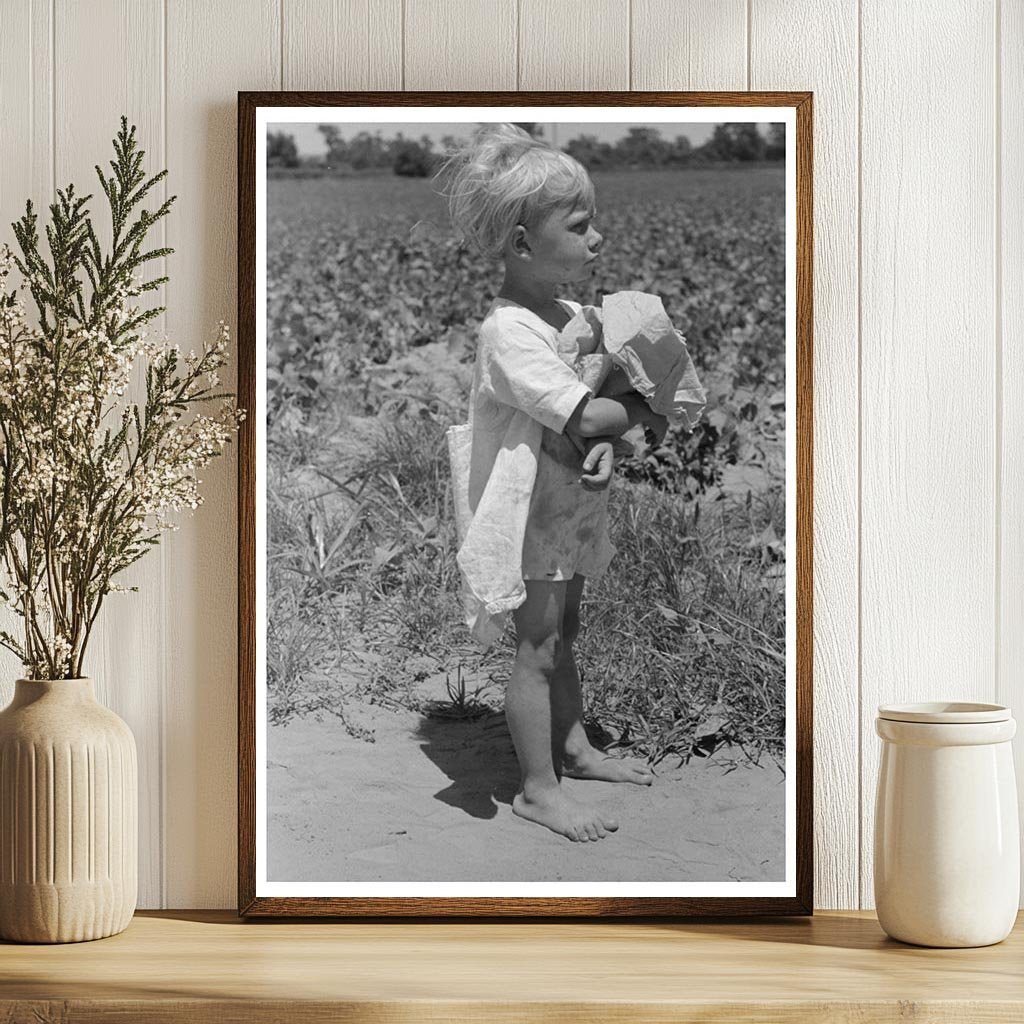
{"x":947,"y":845}
{"x":68,"y":815}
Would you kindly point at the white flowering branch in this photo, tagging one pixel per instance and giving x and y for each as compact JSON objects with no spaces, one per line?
{"x":87,"y":479}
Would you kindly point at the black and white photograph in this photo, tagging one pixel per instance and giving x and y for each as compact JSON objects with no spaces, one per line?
{"x":525,"y":502}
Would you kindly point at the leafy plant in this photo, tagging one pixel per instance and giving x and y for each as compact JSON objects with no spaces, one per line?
{"x":87,"y":478}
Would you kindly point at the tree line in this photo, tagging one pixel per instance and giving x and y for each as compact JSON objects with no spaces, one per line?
{"x":641,"y":147}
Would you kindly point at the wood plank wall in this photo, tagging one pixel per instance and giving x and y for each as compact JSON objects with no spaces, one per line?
{"x":919,"y":314}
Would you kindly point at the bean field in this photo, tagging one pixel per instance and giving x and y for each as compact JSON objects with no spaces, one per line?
{"x":372,"y":308}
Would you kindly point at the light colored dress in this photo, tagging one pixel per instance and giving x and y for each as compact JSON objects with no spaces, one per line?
{"x":521,"y":511}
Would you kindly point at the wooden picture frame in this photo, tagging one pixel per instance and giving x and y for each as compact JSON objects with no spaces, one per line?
{"x":794,"y":894}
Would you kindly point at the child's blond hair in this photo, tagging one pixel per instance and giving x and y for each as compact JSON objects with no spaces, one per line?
{"x":503,"y":177}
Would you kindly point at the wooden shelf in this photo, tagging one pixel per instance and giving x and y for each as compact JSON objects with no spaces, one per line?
{"x":200,"y":966}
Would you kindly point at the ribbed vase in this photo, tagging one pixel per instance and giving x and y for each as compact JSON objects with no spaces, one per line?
{"x":68,"y":815}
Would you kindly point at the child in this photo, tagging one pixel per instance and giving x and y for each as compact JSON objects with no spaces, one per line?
{"x":532,"y":526}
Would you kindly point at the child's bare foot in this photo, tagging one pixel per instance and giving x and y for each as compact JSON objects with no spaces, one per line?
{"x":556,"y":811}
{"x":592,"y":764}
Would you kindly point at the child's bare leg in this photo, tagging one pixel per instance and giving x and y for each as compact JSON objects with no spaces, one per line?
{"x":541,"y":797}
{"x":570,"y":744}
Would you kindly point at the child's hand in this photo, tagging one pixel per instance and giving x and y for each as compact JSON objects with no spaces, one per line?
{"x":598,"y":465}
{"x":578,"y":440}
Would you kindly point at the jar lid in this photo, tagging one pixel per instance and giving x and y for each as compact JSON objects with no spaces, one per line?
{"x":944,"y":712}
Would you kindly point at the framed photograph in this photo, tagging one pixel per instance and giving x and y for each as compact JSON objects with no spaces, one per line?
{"x":525,"y":504}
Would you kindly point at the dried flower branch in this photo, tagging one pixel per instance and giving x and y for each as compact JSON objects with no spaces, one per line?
{"x":87,"y":479}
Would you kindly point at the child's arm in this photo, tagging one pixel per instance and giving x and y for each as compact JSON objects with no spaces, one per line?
{"x":612,"y":417}
{"x":518,"y":367}
{"x":522,"y":370}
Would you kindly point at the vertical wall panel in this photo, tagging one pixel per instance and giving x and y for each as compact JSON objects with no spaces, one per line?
{"x":460,"y":44}
{"x":125,"y":651}
{"x":342,"y":44}
{"x":1010,"y":258}
{"x":26,"y":132}
{"x":928,"y":360}
{"x":26,"y":108}
{"x":781,"y":59}
{"x":213,"y":51}
{"x":942,"y":275}
{"x":573,"y":44}
{"x":691,"y":44}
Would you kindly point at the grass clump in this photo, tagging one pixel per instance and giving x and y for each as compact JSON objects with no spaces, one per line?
{"x":683,"y":645}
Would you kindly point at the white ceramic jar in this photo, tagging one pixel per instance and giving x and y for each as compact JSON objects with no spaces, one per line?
{"x":947,"y":845}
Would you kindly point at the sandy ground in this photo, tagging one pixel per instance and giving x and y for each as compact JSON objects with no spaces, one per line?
{"x":430,"y":799}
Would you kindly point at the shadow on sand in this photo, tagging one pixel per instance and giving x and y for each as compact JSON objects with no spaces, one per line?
{"x":482,"y":781}
{"x":491,"y":775}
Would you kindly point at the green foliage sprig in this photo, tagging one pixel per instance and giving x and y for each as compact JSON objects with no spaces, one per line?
{"x":88,"y":478}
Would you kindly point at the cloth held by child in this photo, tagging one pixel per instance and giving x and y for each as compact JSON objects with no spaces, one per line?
{"x":632,"y":331}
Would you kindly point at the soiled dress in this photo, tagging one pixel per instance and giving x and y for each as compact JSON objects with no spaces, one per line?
{"x":567,"y":527}
{"x":521,"y":511}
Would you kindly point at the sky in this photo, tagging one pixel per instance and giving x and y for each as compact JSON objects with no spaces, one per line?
{"x":310,"y":142}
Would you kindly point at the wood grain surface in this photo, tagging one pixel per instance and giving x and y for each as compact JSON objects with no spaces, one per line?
{"x":574,"y":44}
{"x":1009,"y":257}
{"x":830,"y":70}
{"x":479,"y":34}
{"x":128,"y":81}
{"x":928,"y":459}
{"x":342,"y":44}
{"x":208,"y":966}
{"x":223,"y":46}
{"x":699,"y":44}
